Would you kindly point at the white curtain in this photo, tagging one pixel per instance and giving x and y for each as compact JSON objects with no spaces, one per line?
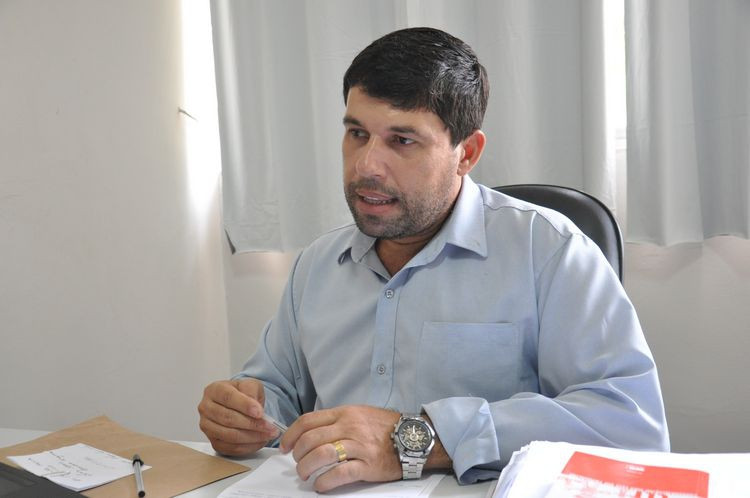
{"x":688,"y":136}
{"x":279,"y":70}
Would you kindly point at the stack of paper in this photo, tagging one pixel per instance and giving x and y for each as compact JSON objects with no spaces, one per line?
{"x":545,"y":469}
{"x":277,"y":477}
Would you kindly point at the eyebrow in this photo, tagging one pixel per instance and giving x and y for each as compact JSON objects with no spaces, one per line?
{"x":407,"y":130}
{"x":348,"y":120}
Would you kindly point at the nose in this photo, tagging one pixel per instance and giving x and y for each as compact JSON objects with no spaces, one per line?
{"x":371,"y":160}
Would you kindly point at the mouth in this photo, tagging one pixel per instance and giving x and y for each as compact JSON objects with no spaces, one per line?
{"x":375,"y":198}
{"x":373,"y":203}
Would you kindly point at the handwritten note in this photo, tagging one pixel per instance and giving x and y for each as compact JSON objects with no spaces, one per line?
{"x":77,"y":467}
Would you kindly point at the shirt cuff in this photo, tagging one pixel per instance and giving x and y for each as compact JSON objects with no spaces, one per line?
{"x":467,"y":432}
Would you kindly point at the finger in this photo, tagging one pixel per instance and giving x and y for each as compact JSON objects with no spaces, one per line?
{"x":233,"y":436}
{"x":229,"y":395}
{"x":233,"y":442}
{"x":305,"y":424}
{"x":252,"y":388}
{"x":324,"y":457}
{"x":227,"y":417}
{"x":345,"y":473}
{"x":221,"y":423}
{"x":225,"y":404}
{"x":314,"y":438}
{"x":235,"y":449}
{"x":315,"y":461}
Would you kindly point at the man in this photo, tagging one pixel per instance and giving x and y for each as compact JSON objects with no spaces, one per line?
{"x":471,"y":322}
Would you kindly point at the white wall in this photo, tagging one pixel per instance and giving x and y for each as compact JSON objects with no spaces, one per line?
{"x":694,"y":304}
{"x":112,"y":297}
{"x":254,"y":283}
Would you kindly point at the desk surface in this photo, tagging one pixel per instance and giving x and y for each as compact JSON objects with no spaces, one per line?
{"x":448,"y":487}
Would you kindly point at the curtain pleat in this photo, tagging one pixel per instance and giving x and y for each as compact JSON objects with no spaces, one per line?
{"x":688,"y":95}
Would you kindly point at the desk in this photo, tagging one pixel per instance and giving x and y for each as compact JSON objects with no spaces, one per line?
{"x":448,"y":487}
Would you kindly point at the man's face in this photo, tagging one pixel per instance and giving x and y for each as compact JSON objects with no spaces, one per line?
{"x":401,"y":173}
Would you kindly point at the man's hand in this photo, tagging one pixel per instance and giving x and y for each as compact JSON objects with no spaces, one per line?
{"x":365,"y":434}
{"x":231,"y":416}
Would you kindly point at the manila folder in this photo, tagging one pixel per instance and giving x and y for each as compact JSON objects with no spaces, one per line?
{"x":175,"y":468}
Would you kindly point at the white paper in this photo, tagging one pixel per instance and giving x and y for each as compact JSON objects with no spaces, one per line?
{"x":277,"y":478}
{"x":534,"y":468}
{"x":77,"y":467}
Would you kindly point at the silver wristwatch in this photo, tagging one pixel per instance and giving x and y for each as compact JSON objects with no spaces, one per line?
{"x":413,"y":437}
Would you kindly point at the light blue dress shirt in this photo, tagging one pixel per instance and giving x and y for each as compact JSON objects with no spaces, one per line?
{"x":509,"y":326}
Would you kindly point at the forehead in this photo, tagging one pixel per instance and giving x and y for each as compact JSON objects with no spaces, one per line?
{"x":373,"y":112}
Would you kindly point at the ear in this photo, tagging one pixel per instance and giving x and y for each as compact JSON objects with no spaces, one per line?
{"x":471,"y":150}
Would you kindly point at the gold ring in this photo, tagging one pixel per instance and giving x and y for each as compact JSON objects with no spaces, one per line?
{"x":340,"y":451}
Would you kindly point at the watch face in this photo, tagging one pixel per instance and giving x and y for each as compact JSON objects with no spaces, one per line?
{"x":414,"y":435}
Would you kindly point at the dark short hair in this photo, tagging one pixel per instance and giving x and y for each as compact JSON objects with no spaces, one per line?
{"x":424,"y":68}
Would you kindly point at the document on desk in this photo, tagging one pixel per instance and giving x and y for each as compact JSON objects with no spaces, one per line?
{"x":176,"y":468}
{"x":77,"y":467}
{"x":277,"y":478}
{"x":544,"y":469}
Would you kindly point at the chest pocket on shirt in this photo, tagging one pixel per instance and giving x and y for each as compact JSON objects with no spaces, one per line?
{"x":468,"y":359}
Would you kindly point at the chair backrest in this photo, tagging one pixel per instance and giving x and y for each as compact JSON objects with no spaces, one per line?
{"x":586,"y":211}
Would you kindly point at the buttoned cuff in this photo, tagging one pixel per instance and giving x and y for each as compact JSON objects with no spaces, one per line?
{"x":467,"y":432}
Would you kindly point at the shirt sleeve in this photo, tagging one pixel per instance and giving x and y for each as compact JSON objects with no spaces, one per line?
{"x":279,"y":363}
{"x":598,"y":383}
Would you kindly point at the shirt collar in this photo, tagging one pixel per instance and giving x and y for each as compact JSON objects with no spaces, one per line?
{"x":464,"y":228}
{"x":359,"y":245}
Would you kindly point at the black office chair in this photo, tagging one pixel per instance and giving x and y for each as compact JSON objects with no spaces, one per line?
{"x":586,"y":211}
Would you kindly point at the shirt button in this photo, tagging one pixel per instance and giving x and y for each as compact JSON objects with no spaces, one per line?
{"x":381,"y":369}
{"x":389,"y":293}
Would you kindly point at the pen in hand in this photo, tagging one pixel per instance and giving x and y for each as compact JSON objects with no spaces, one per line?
{"x":137,"y":463}
{"x":281,"y":427}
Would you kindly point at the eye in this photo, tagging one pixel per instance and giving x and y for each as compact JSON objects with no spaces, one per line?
{"x":402,"y":140}
{"x":357,"y":133}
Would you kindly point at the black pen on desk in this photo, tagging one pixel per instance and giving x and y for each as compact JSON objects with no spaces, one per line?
{"x":137,"y":462}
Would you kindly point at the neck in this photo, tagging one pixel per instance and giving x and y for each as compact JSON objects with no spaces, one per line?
{"x":395,"y":253}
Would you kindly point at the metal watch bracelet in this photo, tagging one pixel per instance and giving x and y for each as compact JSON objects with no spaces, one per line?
{"x":412,"y":467}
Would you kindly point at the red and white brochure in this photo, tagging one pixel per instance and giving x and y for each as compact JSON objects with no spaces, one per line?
{"x":592,"y":476}
{"x":545,"y":469}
